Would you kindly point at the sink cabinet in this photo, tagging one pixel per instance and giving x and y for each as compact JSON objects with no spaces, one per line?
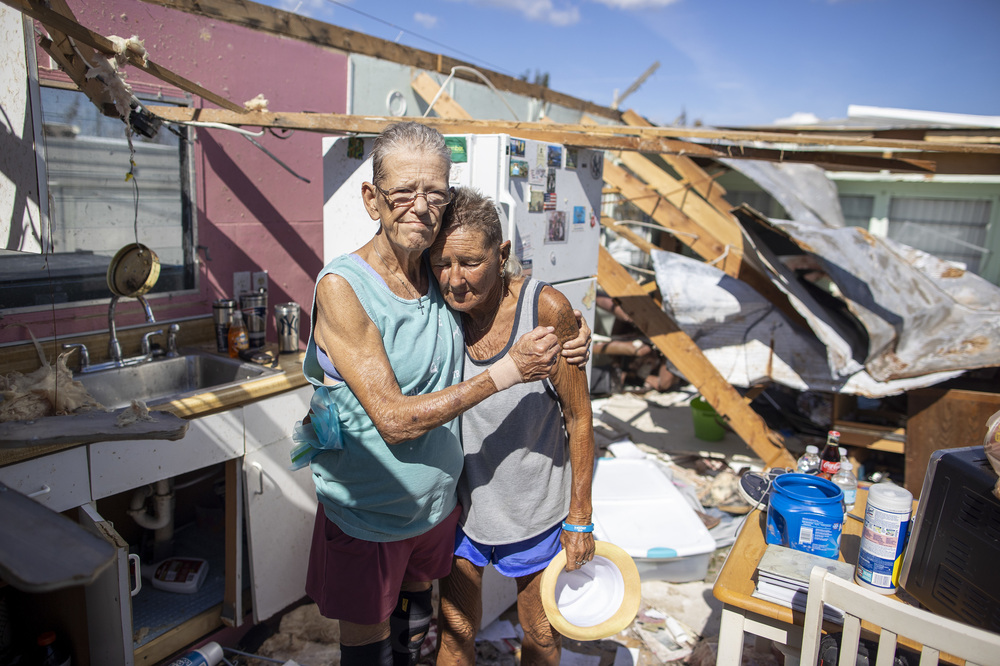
{"x":246,"y":449}
{"x":58,"y":480}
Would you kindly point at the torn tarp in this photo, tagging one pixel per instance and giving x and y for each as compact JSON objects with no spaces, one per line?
{"x":883,"y":318}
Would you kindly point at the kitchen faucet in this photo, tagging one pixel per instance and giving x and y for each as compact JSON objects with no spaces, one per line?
{"x":115,"y":348}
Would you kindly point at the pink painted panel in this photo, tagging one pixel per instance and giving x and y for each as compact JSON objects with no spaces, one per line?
{"x":252,"y":214}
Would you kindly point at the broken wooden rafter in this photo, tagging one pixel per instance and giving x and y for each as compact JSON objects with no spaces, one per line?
{"x":678,"y":347}
{"x":690,"y":173}
{"x":581,"y":136}
{"x":67,"y":26}
{"x":293,"y":26}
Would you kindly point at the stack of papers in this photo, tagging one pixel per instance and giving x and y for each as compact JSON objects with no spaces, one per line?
{"x":783,"y":578}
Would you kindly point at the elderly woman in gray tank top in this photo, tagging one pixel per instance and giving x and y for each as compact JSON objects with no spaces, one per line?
{"x":529,"y":451}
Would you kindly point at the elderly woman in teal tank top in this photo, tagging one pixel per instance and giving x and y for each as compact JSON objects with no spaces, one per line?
{"x":382,"y":440}
{"x":529,"y":451}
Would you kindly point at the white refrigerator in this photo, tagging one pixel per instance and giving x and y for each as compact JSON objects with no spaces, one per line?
{"x":548,"y":196}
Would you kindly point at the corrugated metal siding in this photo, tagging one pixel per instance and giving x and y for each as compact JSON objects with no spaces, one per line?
{"x":950,"y":229}
{"x":857,"y":210}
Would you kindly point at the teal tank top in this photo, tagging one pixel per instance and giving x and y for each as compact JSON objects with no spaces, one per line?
{"x":370,"y":489}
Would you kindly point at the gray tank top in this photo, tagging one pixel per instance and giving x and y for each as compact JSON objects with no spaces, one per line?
{"x":517,"y":477}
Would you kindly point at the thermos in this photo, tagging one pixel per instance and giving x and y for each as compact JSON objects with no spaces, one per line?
{"x":222,"y":314}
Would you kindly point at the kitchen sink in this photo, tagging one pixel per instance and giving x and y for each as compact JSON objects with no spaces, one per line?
{"x":166,"y":379}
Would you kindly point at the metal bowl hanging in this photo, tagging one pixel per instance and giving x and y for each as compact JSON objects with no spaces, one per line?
{"x":133,"y":271}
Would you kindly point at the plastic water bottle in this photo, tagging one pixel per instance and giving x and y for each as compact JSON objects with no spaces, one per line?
{"x":208,"y":654}
{"x":847,"y":482}
{"x":808,"y":463}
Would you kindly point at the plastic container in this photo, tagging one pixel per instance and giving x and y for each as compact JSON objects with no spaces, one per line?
{"x":706,"y":421}
{"x":208,"y":654}
{"x":848,"y":483}
{"x":51,"y":651}
{"x":238,"y":340}
{"x":180,"y":574}
{"x":805,"y":513}
{"x":887,"y":525}
{"x":638,"y":508}
{"x":808,"y":463}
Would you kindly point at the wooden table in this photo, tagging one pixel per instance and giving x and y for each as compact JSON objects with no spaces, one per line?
{"x":742,"y":613}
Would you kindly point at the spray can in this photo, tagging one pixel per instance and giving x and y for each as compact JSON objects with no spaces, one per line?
{"x":208,"y":654}
{"x":887,"y":525}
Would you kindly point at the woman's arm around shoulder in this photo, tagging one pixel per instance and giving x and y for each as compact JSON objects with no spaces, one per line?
{"x":353,"y":342}
{"x":570,"y":383}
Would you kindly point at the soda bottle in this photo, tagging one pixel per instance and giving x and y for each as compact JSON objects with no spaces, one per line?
{"x":830,"y":457}
{"x":809,"y":462}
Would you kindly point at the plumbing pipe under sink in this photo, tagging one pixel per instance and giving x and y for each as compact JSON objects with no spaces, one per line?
{"x":161,"y":521}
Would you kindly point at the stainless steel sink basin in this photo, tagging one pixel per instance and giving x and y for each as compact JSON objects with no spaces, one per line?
{"x":166,"y":379}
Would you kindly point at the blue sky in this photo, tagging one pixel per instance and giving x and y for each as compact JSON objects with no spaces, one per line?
{"x":723,"y":62}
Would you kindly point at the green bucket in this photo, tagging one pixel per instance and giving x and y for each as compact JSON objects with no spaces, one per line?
{"x":707,"y":423}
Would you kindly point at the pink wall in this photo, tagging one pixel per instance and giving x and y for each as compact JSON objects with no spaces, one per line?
{"x":251,"y":214}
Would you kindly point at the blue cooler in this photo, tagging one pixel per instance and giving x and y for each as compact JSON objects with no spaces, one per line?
{"x":806,"y":513}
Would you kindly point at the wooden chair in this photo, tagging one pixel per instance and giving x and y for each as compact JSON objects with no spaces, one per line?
{"x":935,"y":633}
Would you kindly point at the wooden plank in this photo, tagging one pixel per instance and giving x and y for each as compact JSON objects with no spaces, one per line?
{"x":943,"y":419}
{"x":445,"y":106}
{"x":690,"y":172}
{"x":684,"y":353}
{"x":267,"y":19}
{"x":671,"y":218}
{"x":55,"y":21}
{"x":870,"y":436}
{"x":721,"y":226}
{"x":695,"y":237}
{"x":232,"y":598}
{"x":88,"y":427}
{"x":75,"y":59}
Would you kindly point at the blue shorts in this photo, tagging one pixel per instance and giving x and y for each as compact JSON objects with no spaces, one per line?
{"x":512,"y":559}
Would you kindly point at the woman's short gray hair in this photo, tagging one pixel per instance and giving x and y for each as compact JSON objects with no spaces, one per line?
{"x":474,"y":211}
{"x":408,"y":136}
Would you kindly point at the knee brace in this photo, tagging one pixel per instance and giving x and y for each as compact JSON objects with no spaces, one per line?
{"x":408,"y":626}
{"x":372,"y":654}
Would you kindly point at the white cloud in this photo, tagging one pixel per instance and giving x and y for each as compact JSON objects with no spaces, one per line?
{"x":426,"y":20}
{"x":636,"y":4}
{"x":541,"y":11}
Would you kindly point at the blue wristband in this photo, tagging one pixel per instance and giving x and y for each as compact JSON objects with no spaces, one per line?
{"x":578,"y":528}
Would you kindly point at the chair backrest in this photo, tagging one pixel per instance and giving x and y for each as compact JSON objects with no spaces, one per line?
{"x":935,"y":633}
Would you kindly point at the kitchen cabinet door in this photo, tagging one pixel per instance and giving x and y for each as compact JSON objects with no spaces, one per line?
{"x":109,"y":599}
{"x":280,"y":504}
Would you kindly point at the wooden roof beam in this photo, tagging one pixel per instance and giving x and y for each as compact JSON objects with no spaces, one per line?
{"x":68,"y":26}
{"x":684,"y":353}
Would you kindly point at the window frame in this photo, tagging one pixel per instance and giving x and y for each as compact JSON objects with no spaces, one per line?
{"x":188,"y":192}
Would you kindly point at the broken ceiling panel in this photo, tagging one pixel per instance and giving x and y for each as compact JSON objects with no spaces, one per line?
{"x":749,"y":341}
{"x":922,"y":314}
{"x":804,"y":190}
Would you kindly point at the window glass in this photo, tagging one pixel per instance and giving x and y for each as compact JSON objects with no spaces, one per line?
{"x":94,"y":210}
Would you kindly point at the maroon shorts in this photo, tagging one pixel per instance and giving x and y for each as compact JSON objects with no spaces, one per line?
{"x":359,"y":581}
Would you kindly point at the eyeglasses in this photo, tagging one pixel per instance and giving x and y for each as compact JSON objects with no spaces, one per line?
{"x":403,"y":196}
